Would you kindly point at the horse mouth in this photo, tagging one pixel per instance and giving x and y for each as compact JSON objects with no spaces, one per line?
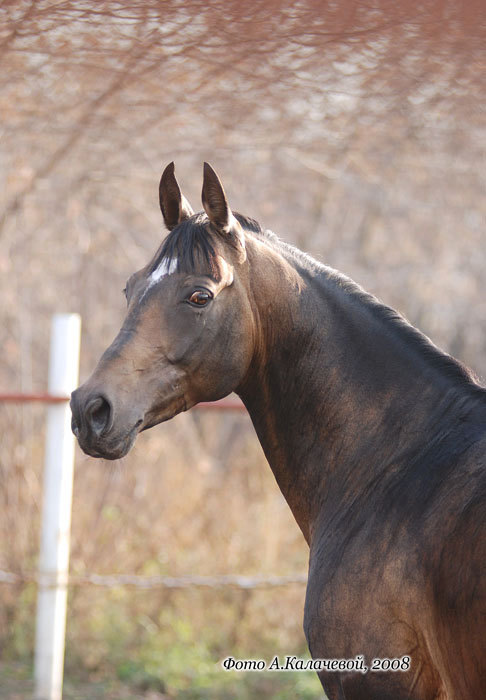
{"x":110,"y":448}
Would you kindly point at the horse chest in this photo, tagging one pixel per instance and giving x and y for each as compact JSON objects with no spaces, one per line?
{"x":363,"y":598}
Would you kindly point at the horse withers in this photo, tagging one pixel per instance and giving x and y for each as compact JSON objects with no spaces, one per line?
{"x":377,"y":439}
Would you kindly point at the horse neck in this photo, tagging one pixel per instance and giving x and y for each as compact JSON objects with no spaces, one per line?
{"x":334,"y":395}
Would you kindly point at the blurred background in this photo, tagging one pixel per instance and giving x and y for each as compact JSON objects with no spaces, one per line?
{"x":355,"y":130}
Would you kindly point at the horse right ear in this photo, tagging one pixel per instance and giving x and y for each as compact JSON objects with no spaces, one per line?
{"x":219,"y":214}
{"x":173,"y":205}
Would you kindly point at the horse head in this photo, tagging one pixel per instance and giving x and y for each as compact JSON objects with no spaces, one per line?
{"x":187,"y":335}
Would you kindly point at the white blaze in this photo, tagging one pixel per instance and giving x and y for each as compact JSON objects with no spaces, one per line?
{"x":164,"y":268}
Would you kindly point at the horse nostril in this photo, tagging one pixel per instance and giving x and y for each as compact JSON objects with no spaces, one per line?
{"x":98,"y":413}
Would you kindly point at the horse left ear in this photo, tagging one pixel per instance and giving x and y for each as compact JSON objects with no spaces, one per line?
{"x":219,"y":213}
{"x":173,"y":205}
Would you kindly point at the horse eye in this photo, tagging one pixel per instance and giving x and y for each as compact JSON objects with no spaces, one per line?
{"x":200,"y":298}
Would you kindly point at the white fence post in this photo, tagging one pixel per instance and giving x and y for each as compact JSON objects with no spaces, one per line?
{"x":56,"y":511}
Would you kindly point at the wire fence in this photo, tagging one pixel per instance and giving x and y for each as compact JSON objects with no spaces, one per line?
{"x":175,"y":582}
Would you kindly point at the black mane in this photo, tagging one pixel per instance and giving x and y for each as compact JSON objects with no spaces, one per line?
{"x":390,"y":318}
{"x":191,"y":244}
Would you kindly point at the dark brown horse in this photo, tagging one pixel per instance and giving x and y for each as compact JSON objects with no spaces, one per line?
{"x":377,"y":439}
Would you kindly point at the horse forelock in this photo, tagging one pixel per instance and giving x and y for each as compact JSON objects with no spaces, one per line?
{"x":191,"y":247}
{"x":187,"y":248}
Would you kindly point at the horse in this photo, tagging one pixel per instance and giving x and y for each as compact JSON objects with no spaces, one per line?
{"x":377,"y":438}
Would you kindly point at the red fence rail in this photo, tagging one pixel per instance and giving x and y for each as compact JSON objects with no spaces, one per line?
{"x":32,"y":398}
{"x":223,"y":405}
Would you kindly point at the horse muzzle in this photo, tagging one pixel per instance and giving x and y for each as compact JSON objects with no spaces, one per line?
{"x":94,"y":425}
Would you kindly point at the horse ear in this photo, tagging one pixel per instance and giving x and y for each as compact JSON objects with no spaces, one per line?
{"x":219,"y":213}
{"x":173,"y":205}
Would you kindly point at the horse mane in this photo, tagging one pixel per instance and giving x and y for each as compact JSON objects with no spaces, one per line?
{"x":190,"y":244}
{"x":415,"y":340}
